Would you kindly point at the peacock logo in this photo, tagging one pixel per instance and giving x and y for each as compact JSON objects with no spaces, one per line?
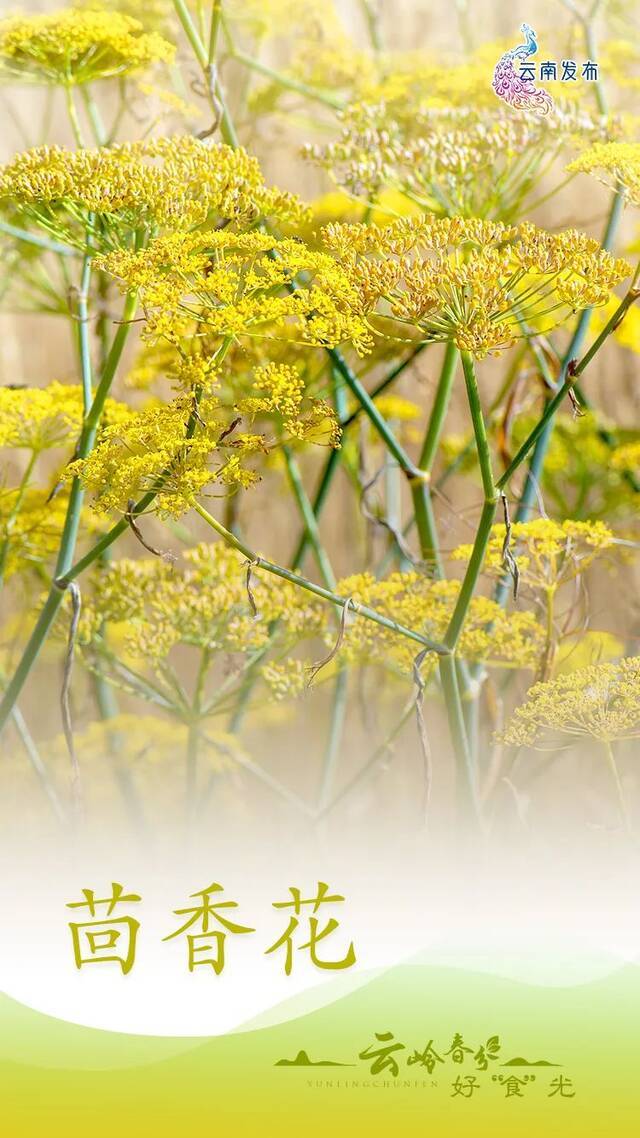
{"x":512,"y":81}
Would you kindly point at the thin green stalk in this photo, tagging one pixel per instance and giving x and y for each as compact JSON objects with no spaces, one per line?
{"x":94,"y":116}
{"x":194,"y":731}
{"x":263,"y":776}
{"x":38,"y":765}
{"x":439,"y":409}
{"x":191,"y":33}
{"x":88,"y":436}
{"x":613,"y":767}
{"x":570,"y":376}
{"x":310,"y":521}
{"x":575,"y":346}
{"x":467,"y":793}
{"x":418,"y":480}
{"x":393,"y":509}
{"x":73,"y":116}
{"x":209,"y":71}
{"x":420,"y":490}
{"x":193,"y":739}
{"x":373,"y":414}
{"x":476,"y":560}
{"x":389,"y":378}
{"x":334,"y":457}
{"x":336,"y":730}
{"x":84,"y":339}
{"x":216,"y":14}
{"x":317,"y":590}
{"x":448,"y":673}
{"x":287,"y":82}
{"x":37,"y":240}
{"x":426,"y":526}
{"x":65,"y":571}
{"x":381,"y":752}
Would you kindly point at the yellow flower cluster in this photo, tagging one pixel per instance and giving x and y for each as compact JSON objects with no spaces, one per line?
{"x":242,"y":285}
{"x":615,"y":164}
{"x":627,"y":457}
{"x":158,"y":14}
{"x":324,"y":56}
{"x":139,"y":187}
{"x":472,"y":281}
{"x":548,"y":552}
{"x":602,"y":701}
{"x":489,"y":634}
{"x":38,"y":418}
{"x":31,"y":526}
{"x":71,"y":46}
{"x":279,"y":390}
{"x":286,"y":681}
{"x":140,"y":741}
{"x":469,"y":162}
{"x":151,"y":606}
{"x":176,"y":450}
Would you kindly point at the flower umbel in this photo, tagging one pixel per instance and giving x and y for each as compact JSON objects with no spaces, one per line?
{"x":477,"y":283}
{"x":137,"y":188}
{"x":617,"y":164}
{"x":177,"y":450}
{"x":71,"y":46}
{"x":549,"y":553}
{"x":602,"y":702}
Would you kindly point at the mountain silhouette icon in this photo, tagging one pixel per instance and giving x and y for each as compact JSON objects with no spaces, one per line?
{"x":303,"y":1060}
{"x":520,"y":1062}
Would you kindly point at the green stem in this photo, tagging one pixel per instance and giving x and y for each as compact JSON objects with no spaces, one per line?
{"x":287,"y":82}
{"x":94,"y":116}
{"x":426,"y":526}
{"x":65,"y":571}
{"x":569,"y":377}
{"x":88,"y":437}
{"x":35,"y":239}
{"x":389,"y":378}
{"x":421,"y":491}
{"x":191,"y":33}
{"x":73,"y":116}
{"x":317,"y":590}
{"x":448,"y":673}
{"x":336,"y":729}
{"x":418,"y":480}
{"x":373,"y":414}
{"x":309,"y":518}
{"x":209,"y":71}
{"x":381,"y":752}
{"x":216,"y":14}
{"x":84,"y":339}
{"x":613,"y":767}
{"x":488,"y":511}
{"x":467,"y":794}
{"x":549,"y":644}
{"x":575,"y":346}
{"x":193,"y":740}
{"x":439,"y":409}
{"x":38,"y":766}
{"x":333,"y":460}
